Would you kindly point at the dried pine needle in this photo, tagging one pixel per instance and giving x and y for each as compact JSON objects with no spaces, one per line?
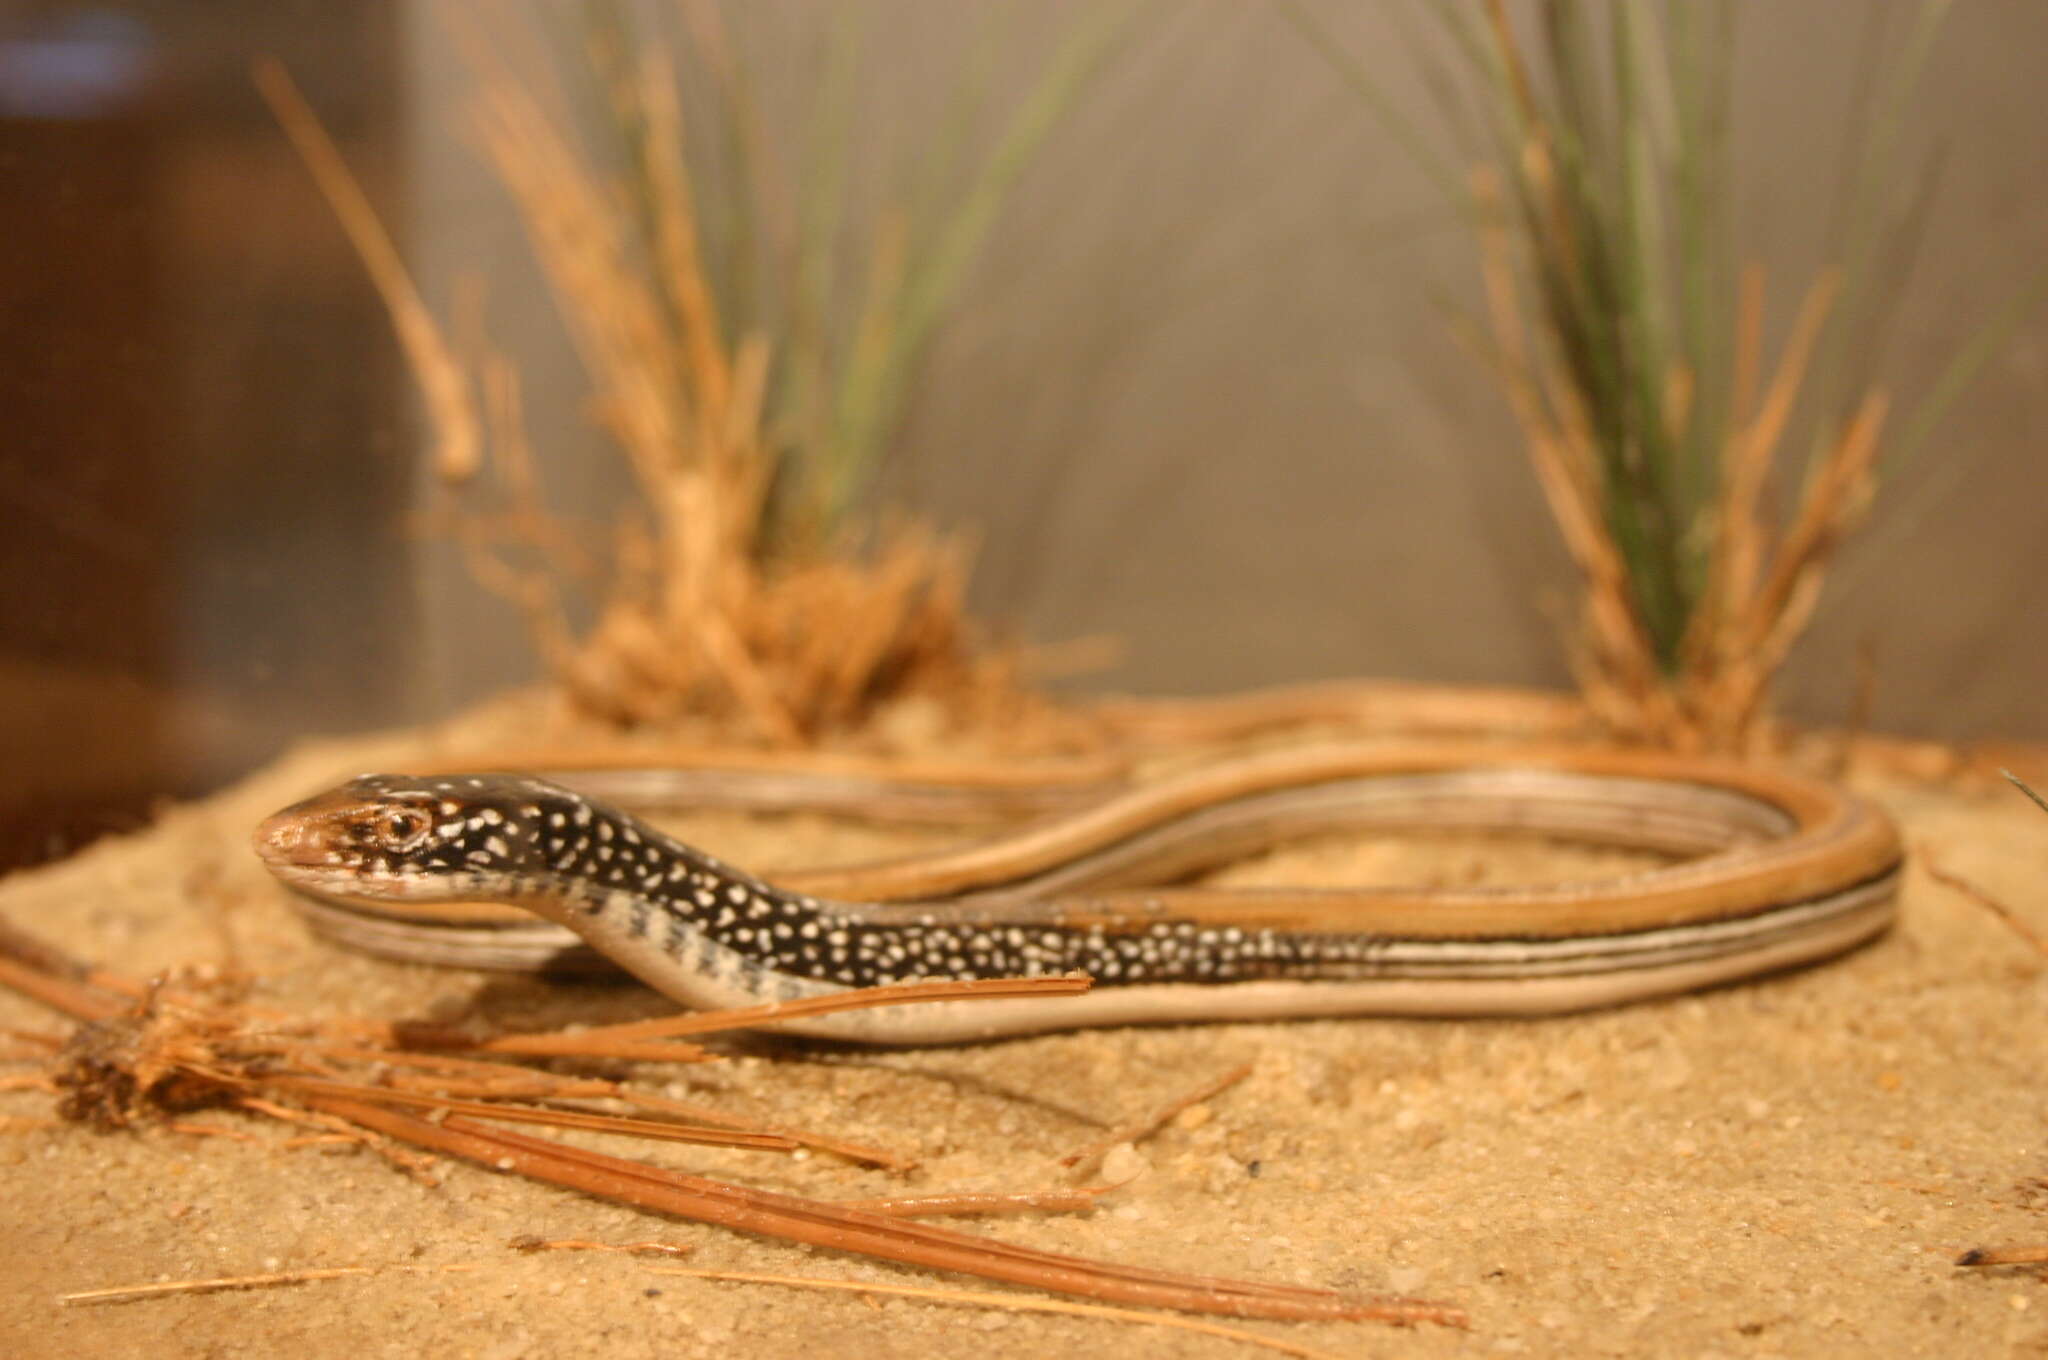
{"x":2026,"y":788}
{"x":195,"y":1129}
{"x":530,"y":1114}
{"x":2004,"y":1256}
{"x":1152,"y":1123}
{"x":981,"y":1203}
{"x":458,"y":435}
{"x":821,"y":1223}
{"x":173,"y":1047}
{"x":269,"y":1280}
{"x":28,"y":1081}
{"x":2013,"y":920}
{"x":976,"y":1298}
{"x":837,"y":1147}
{"x":533,"y":1244}
{"x":595,"y":1041}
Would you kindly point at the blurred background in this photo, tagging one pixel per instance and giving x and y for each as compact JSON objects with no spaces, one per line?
{"x":1199,"y":393}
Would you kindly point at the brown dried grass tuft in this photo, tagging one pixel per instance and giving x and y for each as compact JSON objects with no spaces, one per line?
{"x":1763,"y":579}
{"x":1632,"y":354}
{"x":696,"y":612}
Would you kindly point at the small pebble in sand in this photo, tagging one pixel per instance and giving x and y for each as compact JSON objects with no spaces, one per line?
{"x":1124,"y":1163}
{"x":1671,"y":1073}
{"x":1216,"y":1173}
{"x":1268,"y":1253}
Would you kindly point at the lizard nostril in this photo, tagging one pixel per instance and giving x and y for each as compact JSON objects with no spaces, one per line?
{"x":280,"y":839}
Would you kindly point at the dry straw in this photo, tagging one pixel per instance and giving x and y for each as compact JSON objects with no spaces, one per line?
{"x":749,"y":377}
{"x":151,"y":1054}
{"x":1632,"y":350}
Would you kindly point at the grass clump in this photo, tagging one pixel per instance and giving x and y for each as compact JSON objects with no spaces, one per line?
{"x":1630,"y":344}
{"x":751,"y":339}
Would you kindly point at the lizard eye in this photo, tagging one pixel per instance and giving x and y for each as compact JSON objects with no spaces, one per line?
{"x":400,"y":828}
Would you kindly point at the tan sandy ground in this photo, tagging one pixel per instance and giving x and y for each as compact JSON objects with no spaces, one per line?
{"x":1784,"y":1168}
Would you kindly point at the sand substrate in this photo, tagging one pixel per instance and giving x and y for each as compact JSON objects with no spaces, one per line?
{"x":1786,"y":1167}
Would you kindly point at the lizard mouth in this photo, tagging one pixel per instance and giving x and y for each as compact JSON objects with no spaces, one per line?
{"x":283,"y":841}
{"x":365,"y":884}
{"x":303,"y":850}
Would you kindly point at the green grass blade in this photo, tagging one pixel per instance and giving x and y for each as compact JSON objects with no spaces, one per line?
{"x":1625,"y":245}
{"x":1842,"y":365}
{"x":1967,"y":365}
{"x":1705,"y":254}
{"x":1461,"y":124}
{"x":811,"y":345}
{"x":937,"y":171}
{"x":871,"y":392}
{"x":1426,"y":158}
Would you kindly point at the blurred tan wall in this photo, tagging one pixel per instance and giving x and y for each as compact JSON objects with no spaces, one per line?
{"x":1201,"y":394}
